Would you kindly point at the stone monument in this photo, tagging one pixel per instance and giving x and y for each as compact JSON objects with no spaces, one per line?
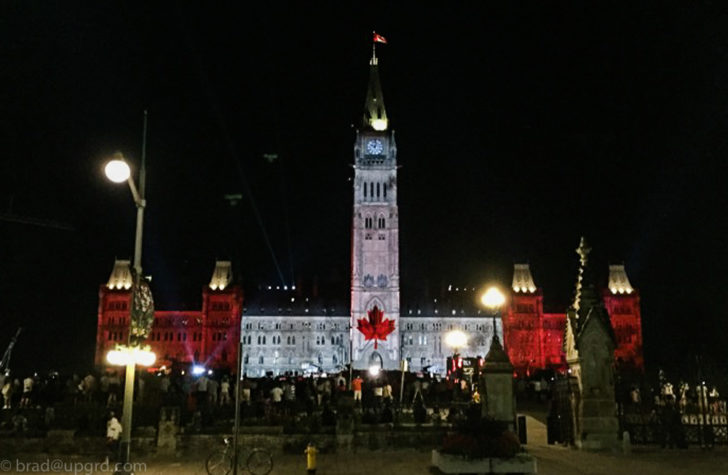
{"x":589,"y":344}
{"x":168,"y":429}
{"x":497,"y":385}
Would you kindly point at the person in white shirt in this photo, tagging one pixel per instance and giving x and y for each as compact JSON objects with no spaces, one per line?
{"x":225,"y":392}
{"x":277,"y":395}
{"x":27,"y":392}
{"x":113,"y":432}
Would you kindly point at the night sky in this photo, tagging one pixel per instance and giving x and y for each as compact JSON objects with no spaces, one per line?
{"x":519,"y":128}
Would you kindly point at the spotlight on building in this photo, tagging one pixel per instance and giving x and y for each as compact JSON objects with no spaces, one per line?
{"x":198,"y":370}
{"x":456,"y":339}
{"x":374,"y":370}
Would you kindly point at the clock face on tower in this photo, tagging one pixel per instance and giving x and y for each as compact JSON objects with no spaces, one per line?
{"x":374,"y":146}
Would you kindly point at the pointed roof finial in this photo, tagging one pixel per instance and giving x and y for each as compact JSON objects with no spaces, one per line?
{"x":522,"y":279}
{"x":583,"y":251}
{"x":618,"y":280}
{"x":120,"y":278}
{"x":221,"y":276}
{"x":375,"y":115}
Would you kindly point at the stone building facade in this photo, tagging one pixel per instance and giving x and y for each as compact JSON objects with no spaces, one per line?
{"x":288,"y":329}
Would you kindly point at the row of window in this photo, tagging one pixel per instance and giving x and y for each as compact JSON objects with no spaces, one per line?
{"x":450,"y":326}
{"x":369,"y":222}
{"x":117,"y":305}
{"x":374,"y":191}
{"x":182,"y":336}
{"x":220,"y":306}
{"x":116,"y":336}
{"x":278,"y":326}
{"x":291,"y":340}
{"x":291,"y":359}
{"x":368,"y":237}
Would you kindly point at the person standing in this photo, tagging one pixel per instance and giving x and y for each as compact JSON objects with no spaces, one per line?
{"x":7,"y":392}
{"x":113,"y":432}
{"x":225,"y":391}
{"x":202,"y":386}
{"x":212,"y":388}
{"x":356,"y":386}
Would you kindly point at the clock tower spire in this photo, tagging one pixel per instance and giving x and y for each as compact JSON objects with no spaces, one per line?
{"x":375,"y":236}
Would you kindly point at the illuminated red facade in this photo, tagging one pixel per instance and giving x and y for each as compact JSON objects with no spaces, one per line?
{"x":209,"y":336}
{"x":534,"y":339}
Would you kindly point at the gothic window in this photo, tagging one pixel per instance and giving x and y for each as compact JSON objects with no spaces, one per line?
{"x":382,"y":237}
{"x":264,"y":339}
{"x":334,"y":359}
{"x":381,"y":222}
{"x":371,"y":189}
{"x":365,"y":190}
{"x":423,"y":360}
{"x":368,"y":237}
{"x":377,"y":189}
{"x":260,"y":359}
{"x":293,"y":339}
{"x":333,"y":340}
{"x":245,"y":359}
{"x":384,"y":190}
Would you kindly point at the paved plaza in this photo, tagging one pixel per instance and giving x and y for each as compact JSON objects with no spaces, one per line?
{"x":552,"y":460}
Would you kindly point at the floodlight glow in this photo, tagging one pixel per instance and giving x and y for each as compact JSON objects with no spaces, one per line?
{"x":374,"y":370}
{"x":456,"y":339}
{"x":379,"y":124}
{"x":117,"y":171}
{"x":198,"y":370}
{"x":493,"y":298}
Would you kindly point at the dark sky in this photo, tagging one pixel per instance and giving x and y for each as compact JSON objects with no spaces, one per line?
{"x":519,"y":129}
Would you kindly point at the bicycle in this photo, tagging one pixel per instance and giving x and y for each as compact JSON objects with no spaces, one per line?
{"x":220,"y":462}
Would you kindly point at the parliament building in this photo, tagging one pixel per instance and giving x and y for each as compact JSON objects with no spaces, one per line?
{"x":288,"y":329}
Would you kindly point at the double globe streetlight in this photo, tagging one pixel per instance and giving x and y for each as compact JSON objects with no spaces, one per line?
{"x":118,"y":171}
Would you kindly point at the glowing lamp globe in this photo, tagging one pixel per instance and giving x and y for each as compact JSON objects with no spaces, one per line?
{"x":493,"y":298}
{"x":374,"y":370}
{"x":117,"y":171}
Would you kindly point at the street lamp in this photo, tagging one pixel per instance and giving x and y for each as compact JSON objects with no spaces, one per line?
{"x":493,"y":299}
{"x":118,"y":171}
{"x":376,"y":364}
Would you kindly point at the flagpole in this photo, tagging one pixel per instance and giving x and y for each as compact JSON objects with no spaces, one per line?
{"x":374,"y":48}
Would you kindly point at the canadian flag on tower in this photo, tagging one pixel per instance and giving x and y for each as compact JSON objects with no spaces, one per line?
{"x":379,"y":38}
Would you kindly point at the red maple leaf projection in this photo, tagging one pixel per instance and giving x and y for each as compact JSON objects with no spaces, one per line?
{"x":375,"y":327}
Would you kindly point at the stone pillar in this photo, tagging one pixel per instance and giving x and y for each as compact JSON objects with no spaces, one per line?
{"x":168,"y":429}
{"x":497,"y":386}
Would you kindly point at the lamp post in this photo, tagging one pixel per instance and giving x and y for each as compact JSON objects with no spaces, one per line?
{"x":118,"y":171}
{"x":493,"y":299}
